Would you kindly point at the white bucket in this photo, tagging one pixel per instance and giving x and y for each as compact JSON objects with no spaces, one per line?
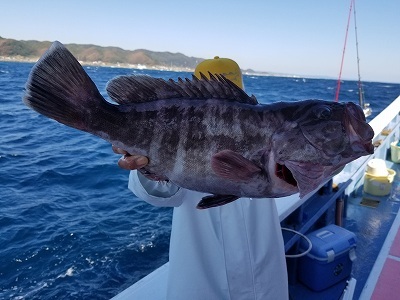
{"x":377,"y":167}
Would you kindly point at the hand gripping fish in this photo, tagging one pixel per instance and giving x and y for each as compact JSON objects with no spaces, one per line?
{"x":204,"y":134}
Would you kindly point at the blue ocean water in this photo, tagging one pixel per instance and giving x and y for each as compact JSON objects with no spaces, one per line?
{"x":69,"y":226}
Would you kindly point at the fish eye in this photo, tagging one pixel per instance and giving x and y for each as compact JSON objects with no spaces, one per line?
{"x":323,"y":112}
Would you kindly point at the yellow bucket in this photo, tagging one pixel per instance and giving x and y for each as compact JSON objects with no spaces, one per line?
{"x":379,"y":185}
{"x":395,"y":152}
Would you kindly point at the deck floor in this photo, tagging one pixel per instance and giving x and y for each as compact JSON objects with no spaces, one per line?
{"x":384,"y":279}
{"x":388,"y":283}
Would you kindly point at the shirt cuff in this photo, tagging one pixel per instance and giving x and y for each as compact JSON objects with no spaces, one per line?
{"x":157,"y":193}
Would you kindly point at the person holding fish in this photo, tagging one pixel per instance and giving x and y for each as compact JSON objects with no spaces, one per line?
{"x":206,"y":139}
{"x":234,"y":251}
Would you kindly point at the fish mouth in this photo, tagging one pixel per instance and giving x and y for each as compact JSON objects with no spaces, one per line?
{"x":360,"y":132}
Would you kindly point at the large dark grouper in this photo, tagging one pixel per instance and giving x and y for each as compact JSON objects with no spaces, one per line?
{"x":205,"y":134}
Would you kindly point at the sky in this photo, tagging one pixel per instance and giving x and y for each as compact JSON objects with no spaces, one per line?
{"x":301,"y":37}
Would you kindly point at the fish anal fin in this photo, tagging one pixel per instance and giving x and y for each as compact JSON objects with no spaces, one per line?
{"x":215,"y":200}
{"x":233,"y":166}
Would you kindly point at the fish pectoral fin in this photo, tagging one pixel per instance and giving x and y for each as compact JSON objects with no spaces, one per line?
{"x":216,"y":200}
{"x":233,"y":166}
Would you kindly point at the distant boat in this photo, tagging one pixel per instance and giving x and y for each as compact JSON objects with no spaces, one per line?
{"x":365,"y":106}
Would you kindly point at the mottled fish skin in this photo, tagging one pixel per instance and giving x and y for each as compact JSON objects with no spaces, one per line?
{"x":182,"y":151}
{"x":205,"y":135}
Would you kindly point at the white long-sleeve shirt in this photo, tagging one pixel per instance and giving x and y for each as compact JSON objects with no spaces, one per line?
{"x":232,"y":252}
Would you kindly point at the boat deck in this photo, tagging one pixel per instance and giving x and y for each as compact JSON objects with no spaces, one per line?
{"x":384,"y":281}
{"x":376,"y":270}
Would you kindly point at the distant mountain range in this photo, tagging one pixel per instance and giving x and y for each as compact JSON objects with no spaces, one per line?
{"x":30,"y":51}
{"x":96,"y":55}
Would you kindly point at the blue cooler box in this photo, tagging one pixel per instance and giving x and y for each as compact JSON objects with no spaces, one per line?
{"x":330,"y":259}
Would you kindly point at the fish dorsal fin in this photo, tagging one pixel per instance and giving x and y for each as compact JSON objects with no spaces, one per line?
{"x":143,"y":88}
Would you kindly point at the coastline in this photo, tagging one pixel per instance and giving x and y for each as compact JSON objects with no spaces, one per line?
{"x":24,"y":59}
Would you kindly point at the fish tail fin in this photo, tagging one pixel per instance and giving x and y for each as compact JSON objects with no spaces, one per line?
{"x":59,"y":88}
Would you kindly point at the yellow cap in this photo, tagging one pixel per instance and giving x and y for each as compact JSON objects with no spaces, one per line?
{"x":225,"y":66}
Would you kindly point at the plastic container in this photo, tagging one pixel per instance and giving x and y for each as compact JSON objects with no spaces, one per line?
{"x":378,"y":179}
{"x":330,"y":259}
{"x":395,"y":152}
